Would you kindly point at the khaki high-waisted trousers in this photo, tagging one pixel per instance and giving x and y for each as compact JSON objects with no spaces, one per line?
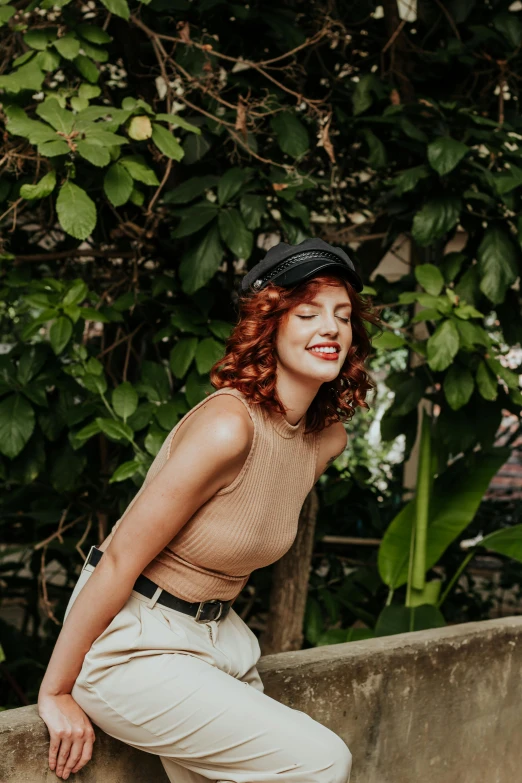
{"x":190,"y":693}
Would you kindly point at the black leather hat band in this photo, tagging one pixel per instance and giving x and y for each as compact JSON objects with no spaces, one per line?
{"x":295,"y":260}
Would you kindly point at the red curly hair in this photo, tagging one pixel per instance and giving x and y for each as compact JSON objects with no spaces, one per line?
{"x":250,"y":364}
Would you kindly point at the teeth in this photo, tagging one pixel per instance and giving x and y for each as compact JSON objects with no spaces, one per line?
{"x":329,"y":349}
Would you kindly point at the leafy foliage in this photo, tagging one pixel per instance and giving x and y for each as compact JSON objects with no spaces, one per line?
{"x":151,"y":156}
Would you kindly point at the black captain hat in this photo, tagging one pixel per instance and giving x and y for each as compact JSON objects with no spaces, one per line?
{"x":287,"y":265}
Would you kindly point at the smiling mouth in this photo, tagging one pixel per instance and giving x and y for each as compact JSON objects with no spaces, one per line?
{"x":331,"y":354}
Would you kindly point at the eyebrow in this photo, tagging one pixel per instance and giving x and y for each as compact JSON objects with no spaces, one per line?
{"x":341,"y":304}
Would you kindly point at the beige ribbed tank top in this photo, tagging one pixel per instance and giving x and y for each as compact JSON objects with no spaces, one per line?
{"x":248,"y":524}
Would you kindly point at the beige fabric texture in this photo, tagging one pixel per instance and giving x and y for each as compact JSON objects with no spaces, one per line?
{"x":191,"y":693}
{"x":247,"y":525}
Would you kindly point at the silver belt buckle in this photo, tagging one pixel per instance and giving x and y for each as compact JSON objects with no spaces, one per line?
{"x":210,"y":601}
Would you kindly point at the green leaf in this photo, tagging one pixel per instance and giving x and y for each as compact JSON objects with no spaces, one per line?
{"x":430,"y":278}
{"x":60,"y":333}
{"x":235,"y":234}
{"x":362,"y":95}
{"x":124,"y":400}
{"x":458,"y":386}
{"x":445,"y":153}
{"x":230,"y":183}
{"x":487,"y":382}
{"x":292,"y":135}
{"x":96,"y":135}
{"x":68,"y":46}
{"x":76,"y":211}
{"x":497,"y":259}
{"x":76,"y":293}
{"x":201,"y":262}
{"x":456,"y":496}
{"x":443,"y":345}
{"x":195,"y":217}
{"x":155,"y":377}
{"x":377,"y":151}
{"x":154,"y":440}
{"x":407,"y":180}
{"x":116,"y":430}
{"x":16,"y":424}
{"x":42,"y":188}
{"x":395,"y":619}
{"x":117,"y":7}
{"x":52,"y":149}
{"x":175,"y":119}
{"x":435,"y":219}
{"x":208,"y":352}
{"x":388,"y":341}
{"x":117,"y":184}
{"x":138,"y":169}
{"x":182,"y":354}
{"x":36,"y":39}
{"x":510,"y":26}
{"x":51,"y":111}
{"x":190,"y":189}
{"x":81,"y":437}
{"x":87,"y":68}
{"x":125,"y":471}
{"x":48,"y":60}
{"x":98,"y":156}
{"x":510,"y":378}
{"x":93,"y":34}
{"x":166,"y":142}
{"x":252,"y":209}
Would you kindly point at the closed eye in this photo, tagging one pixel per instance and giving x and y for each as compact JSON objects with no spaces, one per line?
{"x":344,"y":320}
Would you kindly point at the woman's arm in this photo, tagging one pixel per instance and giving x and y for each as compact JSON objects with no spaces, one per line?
{"x":209,"y":453}
{"x":332,"y":444}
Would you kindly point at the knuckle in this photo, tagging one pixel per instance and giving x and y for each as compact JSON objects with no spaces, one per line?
{"x":78,"y":732}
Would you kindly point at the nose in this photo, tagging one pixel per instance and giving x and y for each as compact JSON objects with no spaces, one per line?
{"x":329,"y":324}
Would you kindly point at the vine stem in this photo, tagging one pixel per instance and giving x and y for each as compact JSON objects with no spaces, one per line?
{"x":456,"y":575}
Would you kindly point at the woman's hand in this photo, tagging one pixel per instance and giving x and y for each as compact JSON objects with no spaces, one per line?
{"x":71,"y":733}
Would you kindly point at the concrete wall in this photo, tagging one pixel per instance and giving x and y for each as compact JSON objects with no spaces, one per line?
{"x":437,"y":706}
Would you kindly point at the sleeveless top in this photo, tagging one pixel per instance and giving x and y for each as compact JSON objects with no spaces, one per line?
{"x":248,"y":524}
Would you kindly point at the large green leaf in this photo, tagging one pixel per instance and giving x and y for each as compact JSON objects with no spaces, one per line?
{"x":430,"y":278}
{"x":445,"y":153}
{"x":190,"y":189}
{"x":292,"y":135}
{"x":435,"y":219}
{"x":252,"y":209}
{"x":125,"y":400}
{"x":166,"y":142}
{"x":98,"y":156}
{"x":125,"y":471}
{"x":117,"y":7}
{"x":139,"y":170}
{"x":51,"y":111}
{"x":507,"y":541}
{"x":487,"y":383}
{"x":68,"y":46}
{"x":231,"y":182}
{"x":208,"y":352}
{"x":497,"y":263}
{"x":180,"y":122}
{"x":16,"y":424}
{"x":117,"y":184}
{"x":182,"y":354}
{"x":458,"y":386}
{"x":116,"y":430}
{"x":405,"y":619}
{"x":201,"y":262}
{"x":195,"y":217}
{"x":456,"y":496}
{"x":76,"y":211}
{"x":443,"y":345}
{"x":60,"y":334}
{"x":235,"y":234}
{"x":42,"y":188}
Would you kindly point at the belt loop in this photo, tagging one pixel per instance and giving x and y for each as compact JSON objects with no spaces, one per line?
{"x":86,"y":561}
{"x":151,"y":603}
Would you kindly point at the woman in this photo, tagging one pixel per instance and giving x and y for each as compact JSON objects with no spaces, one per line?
{"x":151,"y":649}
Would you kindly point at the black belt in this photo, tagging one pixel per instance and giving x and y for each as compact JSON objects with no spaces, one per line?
{"x":203,"y":611}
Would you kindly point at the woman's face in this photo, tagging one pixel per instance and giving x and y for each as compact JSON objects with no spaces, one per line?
{"x":314,"y":338}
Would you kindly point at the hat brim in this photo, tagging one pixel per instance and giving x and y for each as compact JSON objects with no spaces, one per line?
{"x":309,"y":269}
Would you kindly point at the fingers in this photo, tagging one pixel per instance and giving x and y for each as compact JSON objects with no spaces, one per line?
{"x":75,"y":754}
{"x":86,"y":755}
